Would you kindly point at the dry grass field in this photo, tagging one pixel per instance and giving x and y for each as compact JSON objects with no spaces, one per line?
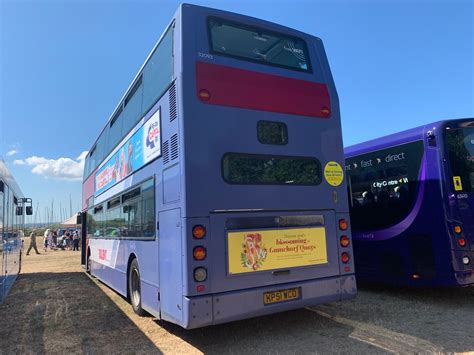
{"x":55,"y":308}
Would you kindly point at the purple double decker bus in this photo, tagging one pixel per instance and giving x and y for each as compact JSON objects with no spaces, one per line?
{"x":215,"y":191}
{"x":412,"y":205}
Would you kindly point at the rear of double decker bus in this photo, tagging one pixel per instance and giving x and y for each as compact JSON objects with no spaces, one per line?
{"x":459,"y":184}
{"x":266,"y":223}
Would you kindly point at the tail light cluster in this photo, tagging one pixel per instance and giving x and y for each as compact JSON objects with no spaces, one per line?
{"x":458,"y":233}
{"x":344,"y":241}
{"x":457,"y":228}
{"x":199,"y":254}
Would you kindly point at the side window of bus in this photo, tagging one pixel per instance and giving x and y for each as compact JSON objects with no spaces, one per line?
{"x":148,"y":208}
{"x":132,"y":213}
{"x":460,"y":144}
{"x":97,"y":222}
{"x":1,"y":215}
{"x":149,"y":86}
{"x":383,"y":185}
{"x":129,"y":215}
{"x":11,"y":212}
{"x":158,"y":72}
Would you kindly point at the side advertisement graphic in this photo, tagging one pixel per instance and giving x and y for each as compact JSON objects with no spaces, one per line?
{"x":141,"y":148}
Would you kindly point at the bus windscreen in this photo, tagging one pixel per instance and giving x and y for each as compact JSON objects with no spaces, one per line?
{"x":257,"y":45}
{"x":461,"y":156}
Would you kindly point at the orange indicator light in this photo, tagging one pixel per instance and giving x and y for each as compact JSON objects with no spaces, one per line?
{"x":199,"y":232}
{"x":345,"y":241}
{"x":343,"y":224}
{"x":199,"y":253}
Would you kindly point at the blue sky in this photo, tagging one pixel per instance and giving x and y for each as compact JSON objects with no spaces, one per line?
{"x":65,"y":64}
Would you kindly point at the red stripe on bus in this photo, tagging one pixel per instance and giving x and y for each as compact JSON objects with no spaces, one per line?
{"x":226,"y":86}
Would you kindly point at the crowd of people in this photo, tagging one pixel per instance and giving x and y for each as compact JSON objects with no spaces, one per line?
{"x":68,"y":241}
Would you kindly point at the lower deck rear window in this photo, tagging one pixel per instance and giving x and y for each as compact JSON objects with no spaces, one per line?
{"x":270,"y":170}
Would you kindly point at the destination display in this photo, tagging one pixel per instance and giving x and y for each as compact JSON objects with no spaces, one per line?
{"x":136,"y":151}
{"x":251,"y":251}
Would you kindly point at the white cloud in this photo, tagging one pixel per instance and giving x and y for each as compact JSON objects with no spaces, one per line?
{"x":12,"y":152}
{"x":62,"y":168}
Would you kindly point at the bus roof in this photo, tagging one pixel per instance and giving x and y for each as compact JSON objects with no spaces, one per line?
{"x":7,"y":177}
{"x":397,"y":138}
{"x":178,"y":11}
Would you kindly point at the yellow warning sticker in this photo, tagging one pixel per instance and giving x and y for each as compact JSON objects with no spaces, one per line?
{"x":457,"y":183}
{"x":333,"y":173}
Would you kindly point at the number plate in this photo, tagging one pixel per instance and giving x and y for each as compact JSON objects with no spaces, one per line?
{"x":281,"y":295}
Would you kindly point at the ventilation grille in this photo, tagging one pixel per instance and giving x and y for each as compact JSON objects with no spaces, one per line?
{"x":166,"y":152}
{"x":173,"y":112}
{"x":174,"y":147}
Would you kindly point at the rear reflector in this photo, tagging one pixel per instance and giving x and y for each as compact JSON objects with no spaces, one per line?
{"x":325,"y":112}
{"x":204,"y":95}
{"x":462,"y":242}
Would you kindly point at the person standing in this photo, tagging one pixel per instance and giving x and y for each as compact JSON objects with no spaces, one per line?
{"x":55,"y":238}
{"x":66,"y":239}
{"x":45,"y":243}
{"x":75,"y":241}
{"x":49,"y":237}
{"x":32,"y":243}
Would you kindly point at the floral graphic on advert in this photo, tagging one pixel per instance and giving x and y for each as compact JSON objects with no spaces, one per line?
{"x":254,"y":252}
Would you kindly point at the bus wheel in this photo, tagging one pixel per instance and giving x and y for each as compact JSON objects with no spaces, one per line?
{"x":134,"y":289}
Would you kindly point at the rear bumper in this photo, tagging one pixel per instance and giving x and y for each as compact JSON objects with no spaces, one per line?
{"x":231,"y":306}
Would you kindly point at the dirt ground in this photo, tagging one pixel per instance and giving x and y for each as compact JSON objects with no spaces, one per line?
{"x":55,"y":308}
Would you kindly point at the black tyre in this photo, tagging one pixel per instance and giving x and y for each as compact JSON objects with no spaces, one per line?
{"x":134,"y":289}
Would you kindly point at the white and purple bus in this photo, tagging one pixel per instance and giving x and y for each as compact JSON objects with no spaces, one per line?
{"x":412,"y":205}
{"x":12,"y":218}
{"x":215,"y":190}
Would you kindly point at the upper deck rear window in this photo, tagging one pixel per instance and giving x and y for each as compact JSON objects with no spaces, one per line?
{"x":257,"y":45}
